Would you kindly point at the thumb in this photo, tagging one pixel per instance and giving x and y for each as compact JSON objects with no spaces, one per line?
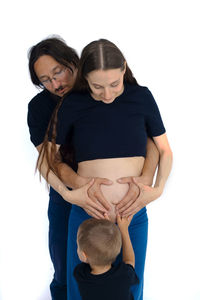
{"x":90,"y":183}
{"x":136,"y":181}
{"x":106,"y":181}
{"x":125,"y":179}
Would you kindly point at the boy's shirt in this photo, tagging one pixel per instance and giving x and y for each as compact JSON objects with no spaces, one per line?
{"x":113,"y":284}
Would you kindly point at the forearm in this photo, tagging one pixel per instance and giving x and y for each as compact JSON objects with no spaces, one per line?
{"x":127,"y":249}
{"x":77,"y":196}
{"x":69,"y":177}
{"x":150,"y":163}
{"x":164,"y":168}
{"x":54,"y":181}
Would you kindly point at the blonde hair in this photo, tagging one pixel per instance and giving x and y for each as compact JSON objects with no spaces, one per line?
{"x":100,"y":240}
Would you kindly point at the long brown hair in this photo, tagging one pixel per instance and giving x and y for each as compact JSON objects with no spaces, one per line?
{"x":101,"y":55}
{"x":98,"y":55}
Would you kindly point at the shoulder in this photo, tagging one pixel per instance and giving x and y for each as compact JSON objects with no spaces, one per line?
{"x":81,"y":270}
{"x":76,"y":97}
{"x":128,"y":271}
{"x":137,"y":92}
{"x":38,"y":98}
{"x":75,"y":102}
{"x":42,"y":99}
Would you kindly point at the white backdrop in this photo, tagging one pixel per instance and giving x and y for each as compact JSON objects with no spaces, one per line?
{"x":160,"y":40}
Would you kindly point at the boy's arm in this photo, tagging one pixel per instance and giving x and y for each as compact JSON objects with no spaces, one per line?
{"x":127,"y":249}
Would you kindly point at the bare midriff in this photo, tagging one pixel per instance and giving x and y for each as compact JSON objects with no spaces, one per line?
{"x":113,"y":169}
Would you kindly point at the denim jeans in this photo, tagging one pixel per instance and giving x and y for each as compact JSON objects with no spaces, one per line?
{"x":58,"y":214}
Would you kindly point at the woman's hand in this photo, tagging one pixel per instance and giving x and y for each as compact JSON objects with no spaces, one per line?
{"x":146,"y":195}
{"x":87,"y":197}
{"x":95,"y":193}
{"x":129,"y":199}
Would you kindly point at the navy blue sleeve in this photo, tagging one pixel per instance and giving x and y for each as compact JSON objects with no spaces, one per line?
{"x":37,"y":124}
{"x":40,"y":110}
{"x":154,"y":123}
{"x":132,"y":274}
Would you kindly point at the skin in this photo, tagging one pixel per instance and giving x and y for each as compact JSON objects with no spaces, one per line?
{"x":91,"y":191}
{"x":46,"y":67}
{"x":106,"y":86}
{"x":127,"y":249}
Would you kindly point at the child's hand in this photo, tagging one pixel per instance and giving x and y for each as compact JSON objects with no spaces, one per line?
{"x":123,"y":222}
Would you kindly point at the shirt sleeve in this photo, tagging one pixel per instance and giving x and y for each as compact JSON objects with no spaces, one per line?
{"x":37,"y":125}
{"x":132,"y":274}
{"x":154,"y":123}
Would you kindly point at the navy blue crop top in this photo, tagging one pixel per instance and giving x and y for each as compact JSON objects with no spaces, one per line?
{"x":118,"y":129}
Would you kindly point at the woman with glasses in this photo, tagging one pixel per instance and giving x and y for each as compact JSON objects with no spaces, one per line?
{"x":107,"y":117}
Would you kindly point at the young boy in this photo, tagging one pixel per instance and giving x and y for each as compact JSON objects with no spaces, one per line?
{"x":99,"y":243}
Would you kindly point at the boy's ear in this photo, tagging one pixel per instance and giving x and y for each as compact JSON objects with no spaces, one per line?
{"x":84,"y":257}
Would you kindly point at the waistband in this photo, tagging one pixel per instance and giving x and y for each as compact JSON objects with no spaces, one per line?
{"x":80,"y":211}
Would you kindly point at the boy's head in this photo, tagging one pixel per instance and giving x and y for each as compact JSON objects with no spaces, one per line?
{"x":99,"y":242}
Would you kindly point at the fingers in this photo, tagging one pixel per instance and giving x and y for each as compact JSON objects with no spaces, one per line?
{"x":130,"y":217}
{"x":106,"y":217}
{"x":93,"y":204}
{"x":101,"y":199}
{"x":105,"y":181}
{"x":132,"y":210}
{"x":96,"y":195}
{"x":125,"y":180}
{"x":127,"y":202}
{"x":97,"y":215}
{"x":90,"y":183}
{"x":93,"y":214}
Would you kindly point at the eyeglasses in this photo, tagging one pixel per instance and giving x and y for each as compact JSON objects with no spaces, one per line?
{"x":57,"y":76}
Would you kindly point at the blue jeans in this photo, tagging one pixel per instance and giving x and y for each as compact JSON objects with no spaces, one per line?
{"x":138,"y":233}
{"x":58,"y":214}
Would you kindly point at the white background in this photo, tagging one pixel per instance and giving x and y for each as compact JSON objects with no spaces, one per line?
{"x":160,"y":40}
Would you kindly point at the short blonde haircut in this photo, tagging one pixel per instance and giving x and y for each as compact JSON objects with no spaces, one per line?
{"x":100,"y":240}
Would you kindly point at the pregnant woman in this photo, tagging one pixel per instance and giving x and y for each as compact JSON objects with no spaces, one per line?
{"x":108,"y":117}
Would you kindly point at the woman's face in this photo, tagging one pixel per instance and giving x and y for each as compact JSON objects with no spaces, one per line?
{"x":107,"y":85}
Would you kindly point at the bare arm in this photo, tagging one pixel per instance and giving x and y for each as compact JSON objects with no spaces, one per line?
{"x":78,"y":196}
{"x":148,"y":194}
{"x":73,"y":180}
{"x":165,"y":163}
{"x":127,"y":249}
{"x":147,"y":175}
{"x":69,"y":177}
{"x":150,"y":163}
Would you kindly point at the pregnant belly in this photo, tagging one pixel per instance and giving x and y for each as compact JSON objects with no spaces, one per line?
{"x":113,"y":194}
{"x":112,"y":169}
